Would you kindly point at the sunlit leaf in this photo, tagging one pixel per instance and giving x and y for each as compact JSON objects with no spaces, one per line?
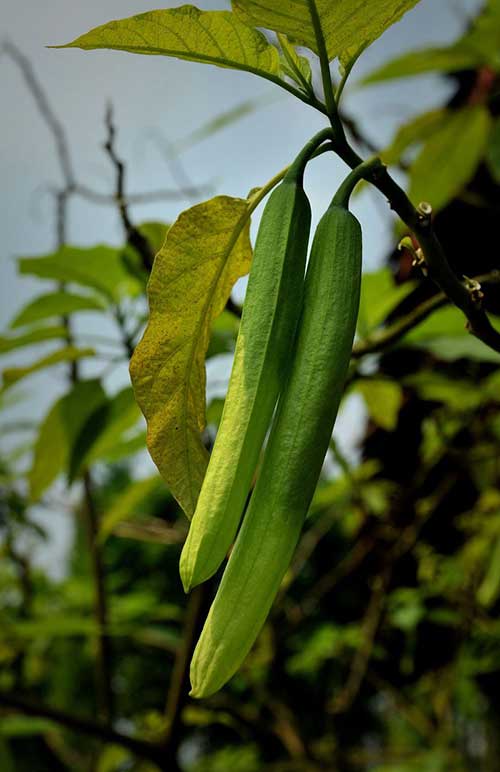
{"x":69,"y":354}
{"x":37,"y":335}
{"x":450,"y":157}
{"x":212,"y":37}
{"x":383,"y":400}
{"x":100,"y":267}
{"x":55,"y":304}
{"x":59,"y":431}
{"x":444,"y":334}
{"x":346,"y":24}
{"x":205,"y":252}
{"x":379,"y":296}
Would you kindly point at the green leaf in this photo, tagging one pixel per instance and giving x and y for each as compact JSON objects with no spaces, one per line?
{"x":347,"y":25}
{"x":450,"y":157}
{"x":103,"y":431}
{"x":444,"y":334}
{"x":130,"y":503}
{"x":379,"y":296}
{"x":224,"y":333}
{"x":449,"y":59}
{"x":211,"y":37}
{"x":205,"y":252}
{"x":55,"y":304}
{"x":415,"y":131}
{"x":383,"y":400}
{"x":24,"y":726}
{"x":59,"y":431}
{"x":37,"y":335}
{"x":98,"y":267}
{"x":493,"y":151}
{"x":295,"y":66}
{"x":69,"y":354}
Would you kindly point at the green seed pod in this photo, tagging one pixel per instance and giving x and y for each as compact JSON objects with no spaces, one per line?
{"x":262,"y":358}
{"x":295,"y":453}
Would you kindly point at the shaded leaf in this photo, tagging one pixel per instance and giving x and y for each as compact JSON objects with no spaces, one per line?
{"x":297,"y":67}
{"x":98,"y":267}
{"x":69,"y":354}
{"x":205,"y":252}
{"x":37,"y":335}
{"x":103,"y":431}
{"x":58,"y":432}
{"x":224,"y":333}
{"x":211,"y":37}
{"x":450,"y":157}
{"x":55,"y":304}
{"x":493,"y":151}
{"x":347,"y":24}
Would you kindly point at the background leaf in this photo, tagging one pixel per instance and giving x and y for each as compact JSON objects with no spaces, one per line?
{"x":12,"y":375}
{"x":205,"y":252}
{"x":450,"y":157}
{"x":98,"y":267}
{"x":37,"y":335}
{"x":55,"y":304}
{"x":58,"y":432}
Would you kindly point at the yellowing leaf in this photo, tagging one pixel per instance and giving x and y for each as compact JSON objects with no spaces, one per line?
{"x":212,"y":37}
{"x":205,"y":252}
{"x":450,"y":157}
{"x":347,"y":25}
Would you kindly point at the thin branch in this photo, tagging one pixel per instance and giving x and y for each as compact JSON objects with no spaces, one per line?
{"x":419,"y":222}
{"x":104,"y":656}
{"x":134,"y":237}
{"x":131,"y":199}
{"x":385,"y":337}
{"x":82,"y":725}
{"x":178,"y":687}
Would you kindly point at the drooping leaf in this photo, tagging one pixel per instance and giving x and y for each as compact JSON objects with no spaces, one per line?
{"x":383,"y":400}
{"x":37,"y":335}
{"x":379,"y":296}
{"x":12,"y":375}
{"x":55,"y":304}
{"x":450,"y":157}
{"x":98,"y":267}
{"x":415,"y":131}
{"x":211,"y":37}
{"x":346,"y":24}
{"x":58,"y":432}
{"x":205,"y":252}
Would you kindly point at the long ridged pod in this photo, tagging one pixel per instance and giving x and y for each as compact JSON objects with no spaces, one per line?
{"x":295,"y":453}
{"x":262,"y":358}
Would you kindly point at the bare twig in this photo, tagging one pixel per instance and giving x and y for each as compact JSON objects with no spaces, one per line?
{"x":134,"y":237}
